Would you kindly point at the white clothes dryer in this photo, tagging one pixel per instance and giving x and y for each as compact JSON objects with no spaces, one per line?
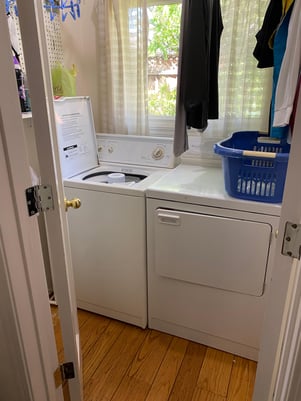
{"x":209,"y":260}
{"x":107,"y":233}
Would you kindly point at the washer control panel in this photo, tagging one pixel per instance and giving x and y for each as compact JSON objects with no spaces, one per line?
{"x":138,"y":150}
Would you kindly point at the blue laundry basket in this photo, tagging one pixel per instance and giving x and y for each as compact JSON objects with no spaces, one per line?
{"x":254,"y":166}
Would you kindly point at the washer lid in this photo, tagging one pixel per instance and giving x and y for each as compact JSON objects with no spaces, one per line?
{"x":76,"y":135}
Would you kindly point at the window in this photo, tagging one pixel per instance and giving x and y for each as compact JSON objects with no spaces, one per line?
{"x":164,"y":20}
{"x":163,"y":51}
{"x":139,"y":68}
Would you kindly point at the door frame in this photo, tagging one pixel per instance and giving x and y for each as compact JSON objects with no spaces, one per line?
{"x":283,"y":301}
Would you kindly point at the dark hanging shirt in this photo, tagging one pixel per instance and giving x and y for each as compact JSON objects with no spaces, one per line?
{"x":200,"y":62}
{"x":197,"y":92}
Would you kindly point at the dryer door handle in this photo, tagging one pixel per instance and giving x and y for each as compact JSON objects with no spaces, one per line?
{"x":166,"y":218}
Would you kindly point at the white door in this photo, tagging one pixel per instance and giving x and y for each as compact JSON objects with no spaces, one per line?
{"x":280,"y":358}
{"x":27,"y":344}
{"x":35,"y":54}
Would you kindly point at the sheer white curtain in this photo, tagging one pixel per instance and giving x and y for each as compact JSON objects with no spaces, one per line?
{"x":123,"y":36}
{"x":244,"y":90}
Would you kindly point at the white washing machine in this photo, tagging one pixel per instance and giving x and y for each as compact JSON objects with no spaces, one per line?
{"x":209,"y":260}
{"x":108,"y":232}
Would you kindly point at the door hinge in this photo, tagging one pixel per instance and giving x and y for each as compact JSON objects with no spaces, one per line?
{"x":292,"y":240}
{"x":39,"y":199}
{"x":64,"y":372}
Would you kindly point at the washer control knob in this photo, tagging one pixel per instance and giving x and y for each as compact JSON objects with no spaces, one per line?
{"x":158,"y":153}
{"x":110,"y":149}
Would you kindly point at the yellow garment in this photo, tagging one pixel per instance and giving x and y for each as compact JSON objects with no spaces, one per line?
{"x":285,"y":6}
{"x":63,"y":80}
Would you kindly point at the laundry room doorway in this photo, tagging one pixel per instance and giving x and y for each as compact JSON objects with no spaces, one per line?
{"x":273,"y":336}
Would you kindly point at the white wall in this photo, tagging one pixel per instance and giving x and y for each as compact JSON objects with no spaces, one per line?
{"x":79,"y":40}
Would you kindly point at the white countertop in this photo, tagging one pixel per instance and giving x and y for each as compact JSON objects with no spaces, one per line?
{"x":203,"y":186}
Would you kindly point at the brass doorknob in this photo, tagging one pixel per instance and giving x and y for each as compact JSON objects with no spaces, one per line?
{"x":75,"y":203}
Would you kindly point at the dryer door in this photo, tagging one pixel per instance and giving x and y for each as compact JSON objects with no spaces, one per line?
{"x":220,"y":252}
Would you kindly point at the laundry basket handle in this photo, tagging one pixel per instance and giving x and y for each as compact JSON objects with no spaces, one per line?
{"x":254,"y":153}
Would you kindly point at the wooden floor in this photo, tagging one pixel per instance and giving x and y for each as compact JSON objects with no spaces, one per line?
{"x":124,"y":363}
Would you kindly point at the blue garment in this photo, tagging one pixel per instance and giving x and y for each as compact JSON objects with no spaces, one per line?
{"x":279,"y":50}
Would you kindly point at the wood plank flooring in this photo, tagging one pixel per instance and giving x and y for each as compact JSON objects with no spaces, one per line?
{"x":125,"y":363}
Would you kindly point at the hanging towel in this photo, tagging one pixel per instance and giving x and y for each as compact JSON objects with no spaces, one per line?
{"x":290,"y":69}
{"x":197,"y":94}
